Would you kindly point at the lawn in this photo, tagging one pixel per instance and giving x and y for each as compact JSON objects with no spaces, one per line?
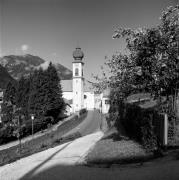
{"x":113,"y":148}
{"x":40,"y":143}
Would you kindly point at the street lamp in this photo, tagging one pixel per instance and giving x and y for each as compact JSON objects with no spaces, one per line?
{"x":32,"y":118}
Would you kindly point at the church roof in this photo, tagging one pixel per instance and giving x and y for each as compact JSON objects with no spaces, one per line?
{"x":78,"y":54}
{"x":67,"y":86}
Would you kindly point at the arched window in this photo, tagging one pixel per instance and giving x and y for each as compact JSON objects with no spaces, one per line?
{"x":76,"y":72}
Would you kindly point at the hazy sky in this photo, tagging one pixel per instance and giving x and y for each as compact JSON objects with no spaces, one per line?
{"x":52,"y":29}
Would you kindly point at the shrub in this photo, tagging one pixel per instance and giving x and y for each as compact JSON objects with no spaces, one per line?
{"x":138,"y":124}
{"x":82,"y":111}
{"x":6,"y":134}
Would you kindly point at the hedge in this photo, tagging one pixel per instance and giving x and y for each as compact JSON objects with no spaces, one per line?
{"x":139,"y":124}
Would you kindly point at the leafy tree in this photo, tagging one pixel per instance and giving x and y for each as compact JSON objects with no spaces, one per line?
{"x":155,"y":51}
{"x":151,"y":63}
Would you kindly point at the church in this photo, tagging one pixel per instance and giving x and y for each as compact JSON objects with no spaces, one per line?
{"x":78,"y":92}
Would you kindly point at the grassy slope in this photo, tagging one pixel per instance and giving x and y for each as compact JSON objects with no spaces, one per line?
{"x":47,"y":140}
{"x":116,"y":148}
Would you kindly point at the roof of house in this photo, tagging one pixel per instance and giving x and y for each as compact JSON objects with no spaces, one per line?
{"x":67,"y":86}
{"x":138,"y":97}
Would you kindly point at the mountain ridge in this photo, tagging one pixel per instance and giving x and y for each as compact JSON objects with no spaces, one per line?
{"x":5,"y":78}
{"x":23,"y":65}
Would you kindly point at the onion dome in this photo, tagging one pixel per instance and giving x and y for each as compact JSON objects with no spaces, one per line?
{"x":78,"y":54}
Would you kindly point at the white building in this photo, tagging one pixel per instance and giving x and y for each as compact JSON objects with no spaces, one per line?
{"x":79,"y":91}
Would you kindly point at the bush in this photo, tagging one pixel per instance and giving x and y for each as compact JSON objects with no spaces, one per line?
{"x":6,"y":134}
{"x":138,"y":124}
{"x":82,"y":111}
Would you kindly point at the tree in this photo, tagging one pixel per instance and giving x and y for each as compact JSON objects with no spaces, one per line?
{"x":155,"y":51}
{"x":36,"y":102}
{"x":22,"y":96}
{"x":151,"y":63}
{"x":53,"y":97}
{"x":46,"y":94}
{"x":8,"y":103}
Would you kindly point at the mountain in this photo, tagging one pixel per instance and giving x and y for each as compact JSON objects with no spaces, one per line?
{"x":5,"y":78}
{"x":24,"y":65}
{"x":63,"y":72}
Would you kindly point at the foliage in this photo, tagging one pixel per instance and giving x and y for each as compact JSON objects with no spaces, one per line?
{"x":151,"y":65}
{"x":6,"y":134}
{"x":151,"y":61}
{"x":53,"y":97}
{"x":39,"y":94}
{"x":8,"y":103}
{"x":22,"y":96}
{"x":138,"y":124}
{"x":82,"y":111}
{"x":155,"y":51}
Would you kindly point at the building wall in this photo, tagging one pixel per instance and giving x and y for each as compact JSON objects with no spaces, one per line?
{"x":105,"y":105}
{"x":78,"y":86}
{"x":78,"y":95}
{"x":68,"y":95}
{"x":92,"y":101}
{"x":80,"y":69}
{"x":89,"y":101}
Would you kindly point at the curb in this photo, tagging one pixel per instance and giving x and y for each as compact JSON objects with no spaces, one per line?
{"x":113,"y":162}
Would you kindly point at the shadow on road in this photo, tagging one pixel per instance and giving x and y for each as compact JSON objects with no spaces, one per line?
{"x":148,"y":172}
{"x":30,"y":173}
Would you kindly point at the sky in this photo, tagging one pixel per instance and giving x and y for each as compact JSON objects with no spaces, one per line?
{"x":52,"y":29}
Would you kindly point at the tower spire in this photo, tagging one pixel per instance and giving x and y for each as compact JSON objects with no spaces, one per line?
{"x":78,"y":80}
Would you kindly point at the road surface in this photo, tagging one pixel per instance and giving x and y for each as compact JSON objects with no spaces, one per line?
{"x":71,"y":153}
{"x":89,"y":125}
{"x":52,"y":163}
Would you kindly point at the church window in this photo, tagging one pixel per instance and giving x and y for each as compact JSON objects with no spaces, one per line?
{"x":76,"y":72}
{"x":107,"y":101}
{"x":85,"y":96}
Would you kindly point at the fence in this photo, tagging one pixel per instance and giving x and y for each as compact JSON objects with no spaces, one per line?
{"x":165,"y":129}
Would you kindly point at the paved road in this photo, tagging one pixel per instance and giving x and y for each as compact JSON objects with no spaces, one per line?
{"x":70,"y":153}
{"x":161,"y":171}
{"x":90,"y":124}
{"x":157,"y":170}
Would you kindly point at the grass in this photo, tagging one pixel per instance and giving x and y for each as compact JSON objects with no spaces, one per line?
{"x":113,"y":148}
{"x":40,"y":143}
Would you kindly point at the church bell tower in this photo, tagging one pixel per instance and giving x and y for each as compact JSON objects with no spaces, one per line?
{"x":78,"y":80}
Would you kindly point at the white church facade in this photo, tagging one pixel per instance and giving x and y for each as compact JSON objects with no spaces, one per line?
{"x":78,"y":92}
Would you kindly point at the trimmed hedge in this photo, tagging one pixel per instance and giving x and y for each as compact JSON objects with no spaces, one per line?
{"x":139,"y":124}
